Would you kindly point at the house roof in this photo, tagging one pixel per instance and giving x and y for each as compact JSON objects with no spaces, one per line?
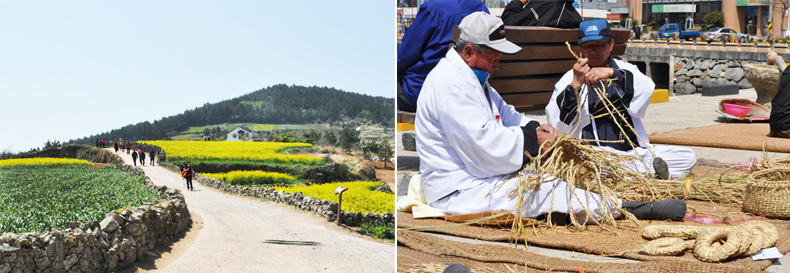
{"x":243,"y":127}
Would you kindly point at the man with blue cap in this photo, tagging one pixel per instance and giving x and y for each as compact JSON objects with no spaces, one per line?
{"x":630,"y":93}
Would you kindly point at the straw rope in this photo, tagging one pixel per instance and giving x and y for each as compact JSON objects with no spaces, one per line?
{"x":718,"y":244}
{"x":689,"y":244}
{"x":761,"y":235}
{"x":676,"y":231}
{"x":781,"y":162}
{"x":664,"y":247}
{"x":710,"y":244}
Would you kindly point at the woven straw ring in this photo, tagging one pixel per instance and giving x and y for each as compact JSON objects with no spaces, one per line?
{"x":678,"y":231}
{"x":761,"y":235}
{"x":664,"y":247}
{"x":708,"y":247}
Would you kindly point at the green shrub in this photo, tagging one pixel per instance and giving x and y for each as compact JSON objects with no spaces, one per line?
{"x":652,"y":24}
{"x":380,"y":232}
{"x":715,"y":18}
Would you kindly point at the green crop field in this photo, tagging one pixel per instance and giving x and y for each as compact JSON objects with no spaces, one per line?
{"x":39,"y":198}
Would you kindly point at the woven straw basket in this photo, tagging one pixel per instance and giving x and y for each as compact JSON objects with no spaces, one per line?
{"x":768,"y":193}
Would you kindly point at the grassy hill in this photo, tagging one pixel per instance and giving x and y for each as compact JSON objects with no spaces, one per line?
{"x":278,"y":107}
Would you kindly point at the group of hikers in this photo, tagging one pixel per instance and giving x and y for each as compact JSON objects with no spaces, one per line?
{"x":101,"y":143}
{"x":471,"y":143}
{"x":140,"y":155}
{"x":121,"y":144}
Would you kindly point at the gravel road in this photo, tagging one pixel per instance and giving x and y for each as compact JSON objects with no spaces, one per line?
{"x":228,"y":234}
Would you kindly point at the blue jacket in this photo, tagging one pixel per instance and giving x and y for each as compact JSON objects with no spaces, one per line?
{"x":427,"y":39}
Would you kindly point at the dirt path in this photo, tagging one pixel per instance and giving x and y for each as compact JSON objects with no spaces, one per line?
{"x":228,"y":234}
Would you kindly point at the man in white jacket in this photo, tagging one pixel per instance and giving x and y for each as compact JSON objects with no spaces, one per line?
{"x":630,"y":93}
{"x":470,"y":141}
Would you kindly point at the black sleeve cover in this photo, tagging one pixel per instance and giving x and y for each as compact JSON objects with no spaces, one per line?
{"x":567,"y":102}
{"x":626,"y":82}
{"x":531,"y":144}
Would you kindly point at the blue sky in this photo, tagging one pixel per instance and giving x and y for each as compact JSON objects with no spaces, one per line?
{"x":70,"y":69}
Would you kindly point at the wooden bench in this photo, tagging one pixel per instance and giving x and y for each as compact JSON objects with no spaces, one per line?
{"x":526,"y":79}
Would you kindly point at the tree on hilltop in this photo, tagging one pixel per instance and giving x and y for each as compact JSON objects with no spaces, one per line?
{"x":385,"y":151}
{"x":349,"y":136}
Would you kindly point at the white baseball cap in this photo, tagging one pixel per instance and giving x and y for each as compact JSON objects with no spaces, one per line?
{"x":485,"y":29}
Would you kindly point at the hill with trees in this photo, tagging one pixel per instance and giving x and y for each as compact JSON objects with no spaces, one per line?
{"x":278,"y":104}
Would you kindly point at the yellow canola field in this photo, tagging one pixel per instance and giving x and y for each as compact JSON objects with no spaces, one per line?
{"x":360,"y":196}
{"x":45,"y":161}
{"x":251,"y":177}
{"x":264,"y":152}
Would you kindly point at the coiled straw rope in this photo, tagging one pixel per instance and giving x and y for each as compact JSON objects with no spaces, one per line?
{"x":664,"y":247}
{"x":710,"y":244}
{"x":659,"y":231}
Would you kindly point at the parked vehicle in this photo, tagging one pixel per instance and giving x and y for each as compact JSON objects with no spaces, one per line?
{"x":668,"y":30}
{"x":726,"y":34}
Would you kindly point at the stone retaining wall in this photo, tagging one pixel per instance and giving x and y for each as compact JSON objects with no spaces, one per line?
{"x":100,"y":246}
{"x":691,"y":74}
{"x":92,"y":154}
{"x":324,"y":208}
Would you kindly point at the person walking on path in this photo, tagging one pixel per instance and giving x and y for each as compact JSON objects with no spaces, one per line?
{"x":128,"y":147}
{"x":134,"y":158}
{"x":187,"y":174}
{"x":152,"y":155}
{"x":116,"y":147}
{"x":142,"y":157}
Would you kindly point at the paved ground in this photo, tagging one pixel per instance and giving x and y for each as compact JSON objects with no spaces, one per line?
{"x":228,"y":234}
{"x":679,"y":112}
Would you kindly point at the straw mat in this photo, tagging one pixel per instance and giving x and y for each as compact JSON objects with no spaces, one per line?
{"x":426,"y":246}
{"x":594,"y":240}
{"x":410,"y":260}
{"x":742,"y":136}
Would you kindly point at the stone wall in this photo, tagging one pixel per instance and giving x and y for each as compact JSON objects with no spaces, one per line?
{"x":120,"y":239}
{"x":324,"y":208}
{"x":691,"y":74}
{"x":85,"y":152}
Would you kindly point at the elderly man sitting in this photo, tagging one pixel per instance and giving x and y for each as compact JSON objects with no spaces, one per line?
{"x":630,"y":94}
{"x":471,"y":142}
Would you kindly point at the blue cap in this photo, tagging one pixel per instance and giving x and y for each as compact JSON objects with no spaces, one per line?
{"x":594,"y":30}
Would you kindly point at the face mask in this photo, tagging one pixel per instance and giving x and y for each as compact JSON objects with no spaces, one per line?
{"x":482,"y":76}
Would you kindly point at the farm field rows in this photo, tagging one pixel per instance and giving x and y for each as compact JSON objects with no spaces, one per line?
{"x":234,"y":152}
{"x":37,"y":198}
{"x":360,"y":196}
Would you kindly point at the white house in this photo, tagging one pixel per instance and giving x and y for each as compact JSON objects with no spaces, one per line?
{"x":242,"y":132}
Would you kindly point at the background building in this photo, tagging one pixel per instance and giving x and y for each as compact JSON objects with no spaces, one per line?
{"x":744,"y":16}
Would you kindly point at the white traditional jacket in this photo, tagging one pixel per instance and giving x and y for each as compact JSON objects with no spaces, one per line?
{"x":463,"y":138}
{"x":643,"y":91}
